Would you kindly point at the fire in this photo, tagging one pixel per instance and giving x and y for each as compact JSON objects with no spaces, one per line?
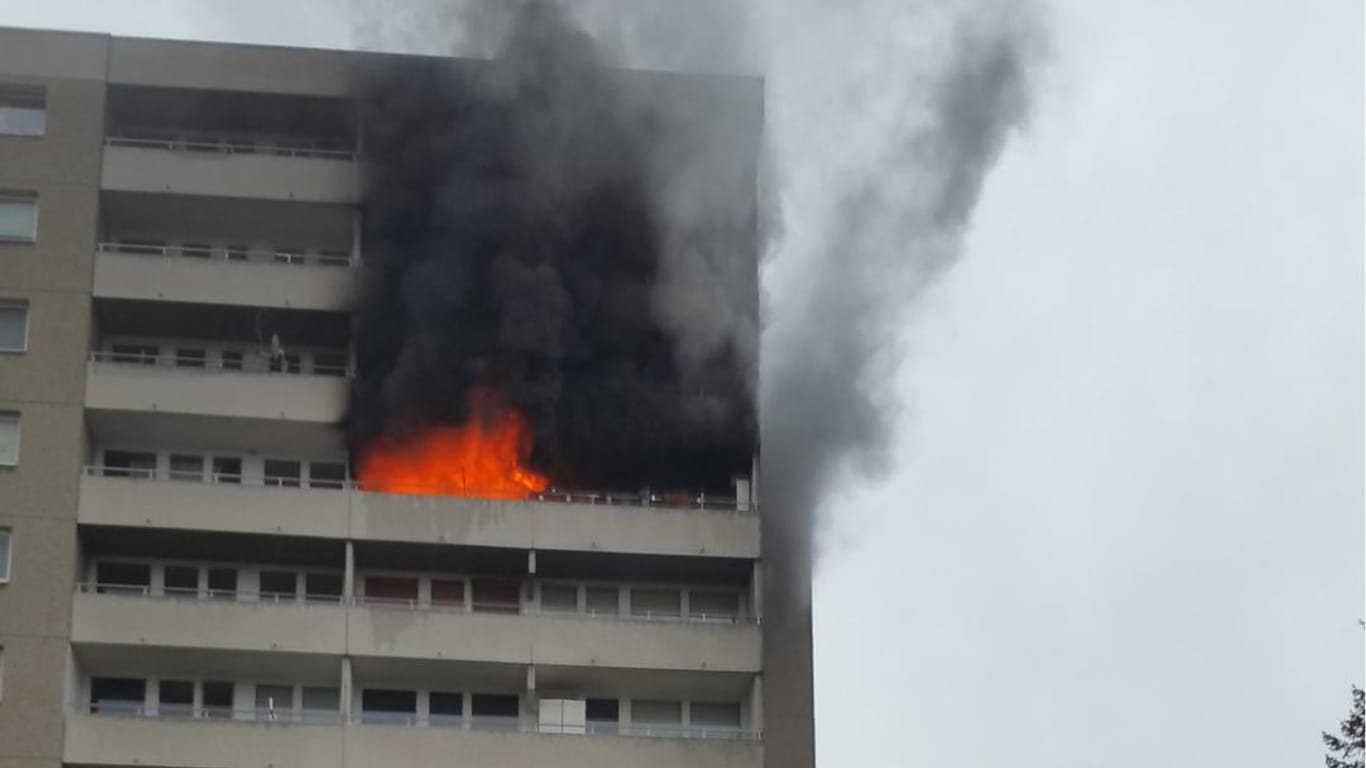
{"x":485,"y":457}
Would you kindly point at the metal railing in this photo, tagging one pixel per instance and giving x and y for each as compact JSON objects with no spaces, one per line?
{"x":227,"y":253}
{"x":495,"y":723}
{"x":122,"y":708}
{"x":212,"y":595}
{"x":225,"y":144}
{"x":660,"y":501}
{"x":255,"y":364}
{"x":363,"y":601}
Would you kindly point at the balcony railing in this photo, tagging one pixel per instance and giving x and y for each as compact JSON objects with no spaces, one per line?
{"x":228,"y":253}
{"x":230,"y":144}
{"x":497,"y":723}
{"x":474,"y":607}
{"x":246,"y":364}
{"x":553,"y":496}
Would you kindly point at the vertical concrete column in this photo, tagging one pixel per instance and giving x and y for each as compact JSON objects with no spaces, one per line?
{"x":756,"y":591}
{"x":349,"y":573}
{"x":346,"y":688}
{"x":756,"y":704}
{"x":529,"y":710}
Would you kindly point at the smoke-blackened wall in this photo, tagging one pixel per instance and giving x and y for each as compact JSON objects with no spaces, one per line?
{"x":545,"y":226}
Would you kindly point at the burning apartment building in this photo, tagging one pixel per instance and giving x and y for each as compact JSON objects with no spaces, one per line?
{"x":384,"y":409}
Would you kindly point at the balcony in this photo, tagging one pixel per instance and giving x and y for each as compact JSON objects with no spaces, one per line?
{"x":132,"y":738}
{"x":122,"y":615}
{"x":245,"y":622}
{"x":232,"y":166}
{"x":208,"y":275}
{"x":152,"y":385}
{"x":566,"y":523}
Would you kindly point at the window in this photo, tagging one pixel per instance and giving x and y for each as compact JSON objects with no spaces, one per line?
{"x":717,"y":605}
{"x":2,"y":673}
{"x":141,"y":464}
{"x":187,"y":466}
{"x":227,"y":469}
{"x":232,"y":360}
{"x":6,"y":536}
{"x":334,"y":258}
{"x":23,"y":110}
{"x":721,"y":715}
{"x":117,"y":695}
{"x":494,"y":711}
{"x":279,"y":585}
{"x":655,"y":602}
{"x":196,"y":250}
{"x":123,"y":578}
{"x":289,"y":256}
{"x":189,"y":357}
{"x":18,"y":217}
{"x":602,"y":715}
{"x":329,"y":363}
{"x":175,"y":698}
{"x":180,"y":580}
{"x":223,"y":583}
{"x":142,"y":247}
{"x":217,"y":699}
{"x":9,"y":439}
{"x":378,"y":705}
{"x":603,"y":601}
{"x":320,"y":705}
{"x":448,"y":593}
{"x":496,"y":596}
{"x":326,"y":474}
{"x":13,"y":326}
{"x":288,"y":362}
{"x":446,"y":707}
{"x":559,"y":598}
{"x":238,"y":252}
{"x":138,"y":354}
{"x":657,"y":712}
{"x":282,"y":473}
{"x":326,"y":587}
{"x":274,"y":702}
{"x":390,"y":589}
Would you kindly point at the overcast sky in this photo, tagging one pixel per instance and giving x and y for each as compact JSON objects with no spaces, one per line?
{"x":1123,"y":524}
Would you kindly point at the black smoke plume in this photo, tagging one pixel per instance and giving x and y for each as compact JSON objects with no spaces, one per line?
{"x":516,"y":231}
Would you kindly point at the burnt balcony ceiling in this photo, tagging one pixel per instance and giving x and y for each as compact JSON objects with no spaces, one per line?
{"x":137,"y":109}
{"x":169,"y":319}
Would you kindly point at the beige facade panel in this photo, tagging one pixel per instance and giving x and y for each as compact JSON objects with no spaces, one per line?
{"x":208,"y":392}
{"x":69,"y":150}
{"x":553,"y":640}
{"x":224,"y":174}
{"x":102,"y":740}
{"x":217,"y":624}
{"x":51,"y":449}
{"x":261,"y":69}
{"x":37,"y":599}
{"x":124,"y":276}
{"x":61,"y":258}
{"x":226,"y":508}
{"x":116,"y":741}
{"x":44,"y":53}
{"x":550,"y":525}
{"x":52,"y":368}
{"x":31,"y":715}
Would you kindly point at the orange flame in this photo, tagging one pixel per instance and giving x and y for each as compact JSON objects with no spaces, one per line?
{"x":485,"y":457}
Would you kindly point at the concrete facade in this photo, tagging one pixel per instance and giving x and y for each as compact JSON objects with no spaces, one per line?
{"x":194,"y":578}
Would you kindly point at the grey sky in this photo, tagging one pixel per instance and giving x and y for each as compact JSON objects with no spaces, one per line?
{"x":1122,"y":523}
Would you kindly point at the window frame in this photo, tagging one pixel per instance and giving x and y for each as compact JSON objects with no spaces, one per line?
{"x":7,"y":416}
{"x":22,"y":96}
{"x":21,"y":196}
{"x":22,"y":304}
{"x":7,"y":544}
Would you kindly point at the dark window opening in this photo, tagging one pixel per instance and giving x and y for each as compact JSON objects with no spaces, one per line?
{"x":390,"y":589}
{"x":196,"y":250}
{"x":139,"y":354}
{"x":379,"y":705}
{"x":232,"y":360}
{"x":330,"y":363}
{"x":448,"y":593}
{"x":326,"y":474}
{"x":496,"y":596}
{"x":494,"y":711}
{"x":223,"y":583}
{"x":446,"y":707}
{"x":603,"y":601}
{"x":279,"y":585}
{"x":117,"y":695}
{"x":282,"y":473}
{"x":185,"y":466}
{"x":237,"y":252}
{"x":290,"y":362}
{"x":602,"y":715}
{"x":181,"y":580}
{"x":130,"y":464}
{"x":175,"y":698}
{"x":123,"y":578}
{"x":217,"y":699}
{"x":227,"y":469}
{"x":325,"y":587}
{"x":189,"y":357}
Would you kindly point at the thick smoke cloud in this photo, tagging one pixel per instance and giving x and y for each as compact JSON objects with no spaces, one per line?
{"x":528,"y":226}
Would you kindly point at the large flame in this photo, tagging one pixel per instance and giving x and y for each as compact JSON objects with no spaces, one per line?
{"x":485,"y":457}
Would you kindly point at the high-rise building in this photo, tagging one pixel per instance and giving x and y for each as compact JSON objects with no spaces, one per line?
{"x":190,"y":576}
